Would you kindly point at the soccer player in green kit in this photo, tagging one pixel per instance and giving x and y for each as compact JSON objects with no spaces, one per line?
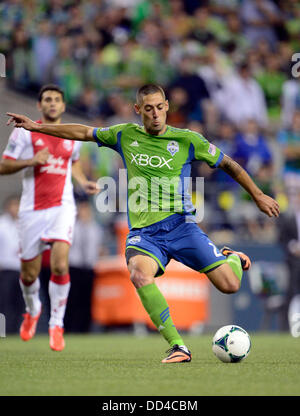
{"x":162,"y":228}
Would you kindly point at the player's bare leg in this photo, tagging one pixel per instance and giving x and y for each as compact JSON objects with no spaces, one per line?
{"x":30,"y":286}
{"x":142,"y":271}
{"x":59,"y":286}
{"x":227,"y":277}
{"x":224,"y":279}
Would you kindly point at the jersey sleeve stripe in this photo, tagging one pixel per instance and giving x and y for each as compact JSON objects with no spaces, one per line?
{"x":220,"y":158}
{"x":96,"y":137}
{"x":8,"y":157}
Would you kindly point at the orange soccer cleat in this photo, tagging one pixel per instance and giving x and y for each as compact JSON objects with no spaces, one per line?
{"x":56,"y":341}
{"x":28,"y":326}
{"x":245,"y":260}
{"x":178,"y":354}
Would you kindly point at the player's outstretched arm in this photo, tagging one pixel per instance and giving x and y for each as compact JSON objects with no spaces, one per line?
{"x":65,"y":131}
{"x":264,"y":202}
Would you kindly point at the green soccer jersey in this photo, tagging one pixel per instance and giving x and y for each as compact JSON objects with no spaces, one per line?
{"x":158,"y":168}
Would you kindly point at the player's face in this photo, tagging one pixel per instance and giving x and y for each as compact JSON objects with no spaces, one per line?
{"x":153,"y":111}
{"x":52,"y":106}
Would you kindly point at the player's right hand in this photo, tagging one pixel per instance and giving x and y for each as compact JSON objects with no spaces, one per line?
{"x":267,"y":205}
{"x":21,"y":121}
{"x":41,"y":157}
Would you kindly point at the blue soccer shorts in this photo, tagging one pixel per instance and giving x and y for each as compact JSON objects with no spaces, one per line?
{"x":175,"y":238}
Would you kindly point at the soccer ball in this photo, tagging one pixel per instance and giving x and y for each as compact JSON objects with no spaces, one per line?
{"x":231,"y":344}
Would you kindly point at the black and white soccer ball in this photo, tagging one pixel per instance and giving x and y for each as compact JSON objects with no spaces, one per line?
{"x":231,"y":344}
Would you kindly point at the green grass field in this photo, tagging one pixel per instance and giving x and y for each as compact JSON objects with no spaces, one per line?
{"x":124,"y":365}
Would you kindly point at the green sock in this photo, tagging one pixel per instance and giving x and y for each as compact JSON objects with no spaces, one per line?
{"x":158,"y":310}
{"x":235,"y":263}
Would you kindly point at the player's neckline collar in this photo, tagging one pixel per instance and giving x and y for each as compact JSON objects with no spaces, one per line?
{"x":155,"y":135}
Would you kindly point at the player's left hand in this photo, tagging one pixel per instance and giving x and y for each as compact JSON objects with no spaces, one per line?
{"x":267,"y":205}
{"x":91,"y":188}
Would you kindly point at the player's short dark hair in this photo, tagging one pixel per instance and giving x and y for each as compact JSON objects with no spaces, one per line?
{"x":50,"y":87}
{"x":149,"y":89}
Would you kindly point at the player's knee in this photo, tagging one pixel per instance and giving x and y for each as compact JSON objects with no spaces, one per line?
{"x":60,"y":268}
{"x":139,"y":277}
{"x":138,"y":274}
{"x":224,"y":279}
{"x":28,"y":276}
{"x":230,"y":286}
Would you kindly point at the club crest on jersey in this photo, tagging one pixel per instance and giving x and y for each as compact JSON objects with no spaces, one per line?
{"x":67,"y":145}
{"x":173,"y":147}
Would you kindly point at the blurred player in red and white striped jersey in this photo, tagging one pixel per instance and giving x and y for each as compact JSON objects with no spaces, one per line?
{"x":47,"y":211}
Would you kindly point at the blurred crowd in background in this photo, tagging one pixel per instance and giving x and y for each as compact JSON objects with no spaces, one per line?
{"x":227,"y":69}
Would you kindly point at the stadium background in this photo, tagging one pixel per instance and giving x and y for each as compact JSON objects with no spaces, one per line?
{"x":99,"y":52}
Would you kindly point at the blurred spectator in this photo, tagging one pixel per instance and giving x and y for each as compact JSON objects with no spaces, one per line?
{"x":196,"y":126}
{"x":258,"y":18}
{"x":81,"y":50}
{"x":63,"y":71}
{"x":290,"y":101}
{"x":44,"y":50}
{"x":224,"y":191}
{"x":289,"y":140}
{"x":263,"y":49}
{"x":235,"y":32}
{"x":21,"y":58}
{"x":88,"y":103}
{"x":215,"y":66}
{"x":241,"y":98}
{"x":177,"y":23}
{"x":84,"y":254}
{"x":285,"y":51}
{"x":289,"y":237}
{"x":224,"y":7}
{"x":271,"y":79}
{"x":255,"y":62}
{"x":292,"y":21}
{"x":102,"y":70}
{"x":252,"y":149}
{"x":254,"y":154}
{"x":206,"y":26}
{"x":56,"y":12}
{"x":226,"y":141}
{"x":11,"y":301}
{"x":194,"y":86}
{"x":178,"y":103}
{"x":123,"y":111}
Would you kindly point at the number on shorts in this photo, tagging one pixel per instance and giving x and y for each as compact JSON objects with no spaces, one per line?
{"x":215,"y":250}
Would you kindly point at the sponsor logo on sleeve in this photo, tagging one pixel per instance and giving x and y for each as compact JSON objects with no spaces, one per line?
{"x":212,"y":149}
{"x":11,"y":146}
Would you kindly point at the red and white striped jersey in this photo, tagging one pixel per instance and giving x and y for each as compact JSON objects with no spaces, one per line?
{"x":48,"y":185}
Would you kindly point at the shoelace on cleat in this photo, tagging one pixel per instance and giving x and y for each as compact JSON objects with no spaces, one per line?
{"x":173,"y":349}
